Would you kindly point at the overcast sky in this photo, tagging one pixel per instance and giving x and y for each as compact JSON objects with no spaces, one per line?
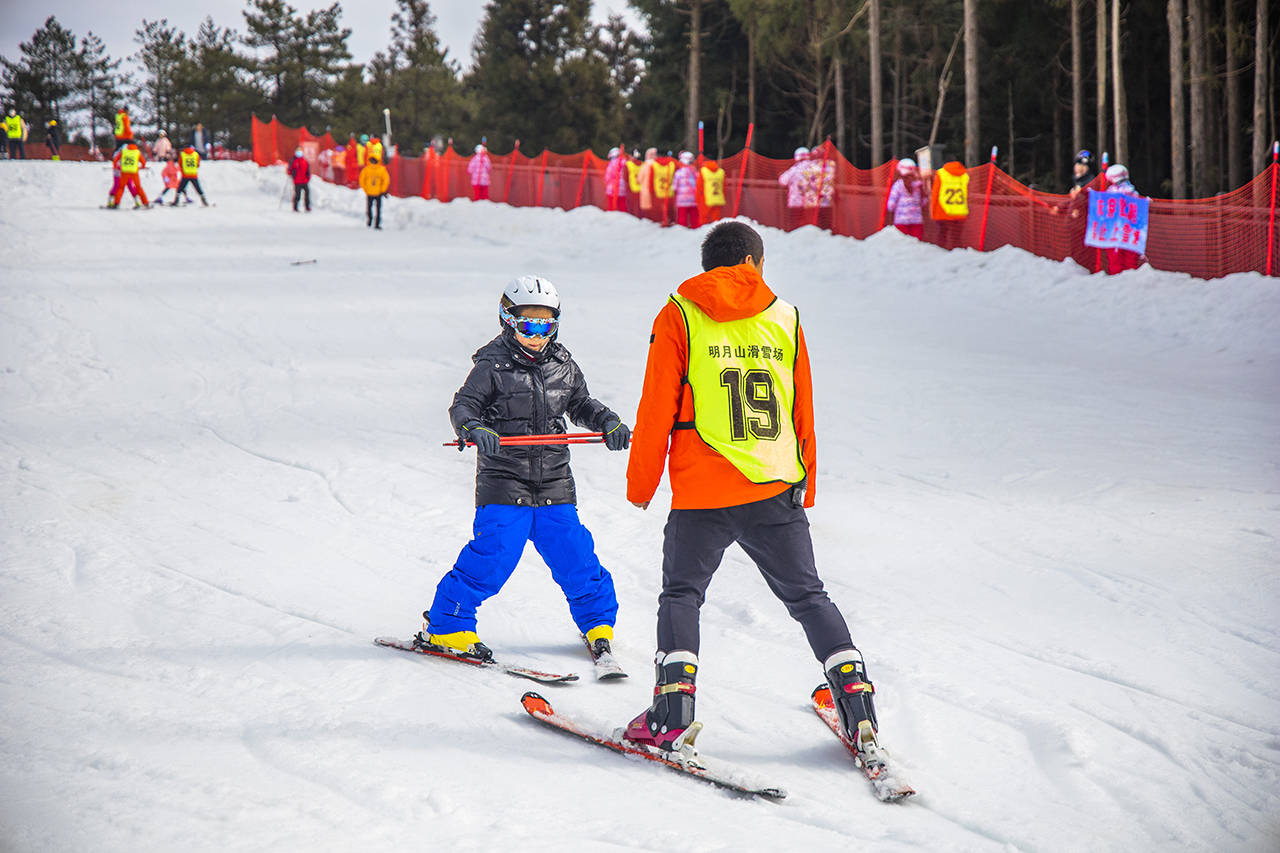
{"x":369,"y":21}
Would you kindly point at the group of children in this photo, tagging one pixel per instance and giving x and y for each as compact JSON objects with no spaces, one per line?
{"x":128,"y":162}
{"x":727,"y":487}
{"x":652,"y":187}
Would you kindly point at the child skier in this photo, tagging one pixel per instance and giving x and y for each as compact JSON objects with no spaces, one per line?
{"x":129,"y":161}
{"x":684,"y":187}
{"x":524,"y":382}
{"x":189,"y":160}
{"x":172,"y":177}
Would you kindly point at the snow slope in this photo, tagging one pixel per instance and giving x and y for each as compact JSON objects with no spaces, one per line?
{"x":1048,"y":504}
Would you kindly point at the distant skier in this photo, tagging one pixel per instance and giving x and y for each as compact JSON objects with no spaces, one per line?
{"x":742,"y":467}
{"x":131,"y":162}
{"x":712,"y":189}
{"x":300,"y":171}
{"x":123,"y":129}
{"x":684,"y":187}
{"x":375,"y":181}
{"x":1119,"y":260}
{"x":907,"y":199}
{"x":53,"y":139}
{"x":171,"y":174}
{"x":189,"y":161}
{"x":163,"y":147}
{"x":525,"y":382}
{"x":480,"y":169}
{"x":15,"y":129}
{"x":796,"y":180}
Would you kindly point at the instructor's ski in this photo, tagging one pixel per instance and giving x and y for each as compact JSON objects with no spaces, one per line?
{"x":685,"y":761}
{"x":413,"y":645}
{"x":871,"y":759}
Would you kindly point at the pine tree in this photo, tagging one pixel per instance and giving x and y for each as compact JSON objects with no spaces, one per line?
{"x":40,"y":83}
{"x":538,"y":78}
{"x":162,"y":54}
{"x":99,"y":86}
{"x":421,"y":85}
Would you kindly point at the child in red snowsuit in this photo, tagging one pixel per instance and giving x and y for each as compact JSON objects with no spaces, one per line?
{"x":129,"y":161}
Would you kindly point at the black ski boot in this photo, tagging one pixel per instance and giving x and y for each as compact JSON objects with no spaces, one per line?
{"x":666,"y":721}
{"x":851,"y":691}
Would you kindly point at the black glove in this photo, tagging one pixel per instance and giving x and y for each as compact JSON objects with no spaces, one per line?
{"x":616,"y":434}
{"x":485,"y":439}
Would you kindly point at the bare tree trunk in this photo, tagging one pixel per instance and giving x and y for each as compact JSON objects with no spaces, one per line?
{"x":1077,"y":78}
{"x":971,"y":130}
{"x":1100,"y":53}
{"x":695,"y":77}
{"x":1261,"y":88}
{"x":1235,"y":164}
{"x":1177,"y":100}
{"x":897,"y":83}
{"x":877,"y":92}
{"x":841,"y":133}
{"x":751,"y":71}
{"x":1199,"y":105}
{"x":1117,"y":78}
{"x":1010,"y":166}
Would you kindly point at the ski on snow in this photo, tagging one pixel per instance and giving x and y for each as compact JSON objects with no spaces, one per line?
{"x":607,"y":666}
{"x":412,"y":645}
{"x":872,"y":760}
{"x":685,"y":760}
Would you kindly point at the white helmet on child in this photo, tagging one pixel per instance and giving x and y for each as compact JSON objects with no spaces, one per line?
{"x":531,"y":290}
{"x":800,"y":153}
{"x":686,"y":157}
{"x":613,"y":152}
{"x":1117,"y":173}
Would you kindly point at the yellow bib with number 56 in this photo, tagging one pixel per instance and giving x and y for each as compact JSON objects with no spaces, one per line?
{"x":742,"y":375}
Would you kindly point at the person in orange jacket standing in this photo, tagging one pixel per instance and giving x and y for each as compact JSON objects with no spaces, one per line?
{"x":375,"y":181}
{"x":123,"y":129}
{"x":727,"y":385}
{"x":131,"y":161}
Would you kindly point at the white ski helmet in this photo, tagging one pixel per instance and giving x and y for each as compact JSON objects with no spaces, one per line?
{"x":1117,"y":173}
{"x":800,"y":153}
{"x":531,"y":290}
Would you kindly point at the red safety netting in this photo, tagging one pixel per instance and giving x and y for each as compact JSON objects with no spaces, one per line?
{"x":1207,"y":238}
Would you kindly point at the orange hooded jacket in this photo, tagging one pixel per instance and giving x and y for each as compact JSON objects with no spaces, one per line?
{"x":700,"y":477}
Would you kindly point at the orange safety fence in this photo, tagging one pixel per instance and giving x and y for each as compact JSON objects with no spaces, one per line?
{"x":1207,"y":238}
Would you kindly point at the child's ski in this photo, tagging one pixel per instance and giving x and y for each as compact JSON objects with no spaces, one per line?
{"x":411,"y":645}
{"x":686,"y":761}
{"x":607,"y":666}
{"x":872,"y":760}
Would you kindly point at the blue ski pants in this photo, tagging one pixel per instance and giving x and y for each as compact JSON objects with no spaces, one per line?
{"x":500,"y":532}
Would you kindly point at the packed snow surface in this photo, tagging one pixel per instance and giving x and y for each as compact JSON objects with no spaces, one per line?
{"x":1048,"y":505}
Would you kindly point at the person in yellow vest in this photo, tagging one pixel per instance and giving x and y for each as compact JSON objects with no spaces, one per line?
{"x":633,"y":182}
{"x":123,"y":130}
{"x":131,"y":162}
{"x":375,"y":181}
{"x":664,"y":172}
{"x":189,"y":162}
{"x":362,"y":151}
{"x":712,"y":190}
{"x":949,"y":202}
{"x":16,"y":131}
{"x":727,"y":408}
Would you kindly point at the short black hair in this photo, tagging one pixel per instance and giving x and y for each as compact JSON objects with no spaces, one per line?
{"x":728,"y":243}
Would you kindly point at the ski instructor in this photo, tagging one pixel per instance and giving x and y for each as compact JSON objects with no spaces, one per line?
{"x":727,"y":384}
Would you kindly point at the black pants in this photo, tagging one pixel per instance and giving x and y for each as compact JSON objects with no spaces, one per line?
{"x":182,"y":188}
{"x":301,"y":191}
{"x":17,"y":150}
{"x":372,"y":203}
{"x":775,"y":535}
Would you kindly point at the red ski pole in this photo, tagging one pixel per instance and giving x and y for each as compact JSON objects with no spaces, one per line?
{"x":532,"y":440}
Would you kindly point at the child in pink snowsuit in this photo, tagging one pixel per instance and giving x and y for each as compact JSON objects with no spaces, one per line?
{"x":685,"y":188}
{"x":480,"y":169}
{"x":906,"y":200}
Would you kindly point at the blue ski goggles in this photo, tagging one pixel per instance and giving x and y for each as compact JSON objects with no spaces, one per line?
{"x":531,"y":327}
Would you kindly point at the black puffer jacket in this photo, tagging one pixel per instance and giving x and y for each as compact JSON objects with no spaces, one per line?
{"x":515,"y":393}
